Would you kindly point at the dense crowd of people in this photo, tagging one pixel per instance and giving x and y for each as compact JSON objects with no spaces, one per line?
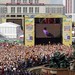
{"x":15,"y":58}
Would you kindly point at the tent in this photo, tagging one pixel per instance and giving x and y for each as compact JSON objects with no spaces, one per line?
{"x":10,"y":30}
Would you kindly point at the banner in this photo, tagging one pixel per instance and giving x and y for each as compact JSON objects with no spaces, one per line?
{"x":3,"y":20}
{"x":67,"y":31}
{"x":29,"y":31}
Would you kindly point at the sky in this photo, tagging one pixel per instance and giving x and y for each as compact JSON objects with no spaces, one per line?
{"x":57,"y":1}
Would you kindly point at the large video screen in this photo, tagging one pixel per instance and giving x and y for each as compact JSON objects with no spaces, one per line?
{"x":48,"y":27}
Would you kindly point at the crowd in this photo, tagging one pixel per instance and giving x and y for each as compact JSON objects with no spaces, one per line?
{"x":16,"y":58}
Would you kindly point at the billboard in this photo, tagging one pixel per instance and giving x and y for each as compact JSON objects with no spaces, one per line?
{"x":29,"y":31}
{"x":48,"y":27}
{"x":67,"y":31}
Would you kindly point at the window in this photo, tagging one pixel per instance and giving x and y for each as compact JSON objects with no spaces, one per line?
{"x":36,"y":1}
{"x":12,"y":9}
{"x":36,"y":9}
{"x":53,"y":10}
{"x":12,"y":1}
{"x":24,"y":1}
{"x":7,"y":15}
{"x":19,"y":15}
{"x":24,"y":9}
{"x":50,"y":10}
{"x":18,"y":1}
{"x":18,"y":9}
{"x":3,"y":9}
{"x":58,"y":10}
{"x":12,"y":15}
{"x":30,"y":9}
{"x":47,"y":10}
{"x":30,"y":1}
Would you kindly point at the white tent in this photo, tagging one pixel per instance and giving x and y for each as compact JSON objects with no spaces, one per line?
{"x":10,"y":30}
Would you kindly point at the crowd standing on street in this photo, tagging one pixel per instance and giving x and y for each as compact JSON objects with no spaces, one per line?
{"x":16,"y":58}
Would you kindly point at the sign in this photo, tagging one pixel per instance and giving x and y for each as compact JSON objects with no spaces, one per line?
{"x":29,"y":31}
{"x":3,"y":20}
{"x":67,"y":31}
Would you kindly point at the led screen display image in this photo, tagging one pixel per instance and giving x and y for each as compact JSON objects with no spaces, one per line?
{"x":48,"y":27}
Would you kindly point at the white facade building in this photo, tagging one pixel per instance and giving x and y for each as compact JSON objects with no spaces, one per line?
{"x":28,"y":7}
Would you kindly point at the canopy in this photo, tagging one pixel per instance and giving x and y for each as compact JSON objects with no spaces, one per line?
{"x":10,"y":30}
{"x":8,"y":24}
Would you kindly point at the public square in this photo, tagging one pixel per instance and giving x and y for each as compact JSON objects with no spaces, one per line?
{"x":37,"y":37}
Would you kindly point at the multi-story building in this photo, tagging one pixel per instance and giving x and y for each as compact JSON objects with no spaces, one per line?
{"x":11,"y":9}
{"x":70,"y":8}
{"x":70,"y":12}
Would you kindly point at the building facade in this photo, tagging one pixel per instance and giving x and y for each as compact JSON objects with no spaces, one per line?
{"x":20,"y":8}
{"x":70,"y":8}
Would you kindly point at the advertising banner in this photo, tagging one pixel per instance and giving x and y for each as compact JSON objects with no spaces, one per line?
{"x":3,"y":20}
{"x":67,"y":31}
{"x":29,"y":31}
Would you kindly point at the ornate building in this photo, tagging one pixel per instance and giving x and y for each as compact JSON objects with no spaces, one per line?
{"x":19,"y":8}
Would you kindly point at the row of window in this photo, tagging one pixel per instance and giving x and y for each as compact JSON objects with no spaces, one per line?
{"x":24,"y":1}
{"x":31,"y":10}
{"x":13,"y":9}
{"x":3,"y":9}
{"x":54,"y":10}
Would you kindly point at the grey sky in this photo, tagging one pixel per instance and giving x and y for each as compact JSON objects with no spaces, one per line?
{"x":56,"y":1}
